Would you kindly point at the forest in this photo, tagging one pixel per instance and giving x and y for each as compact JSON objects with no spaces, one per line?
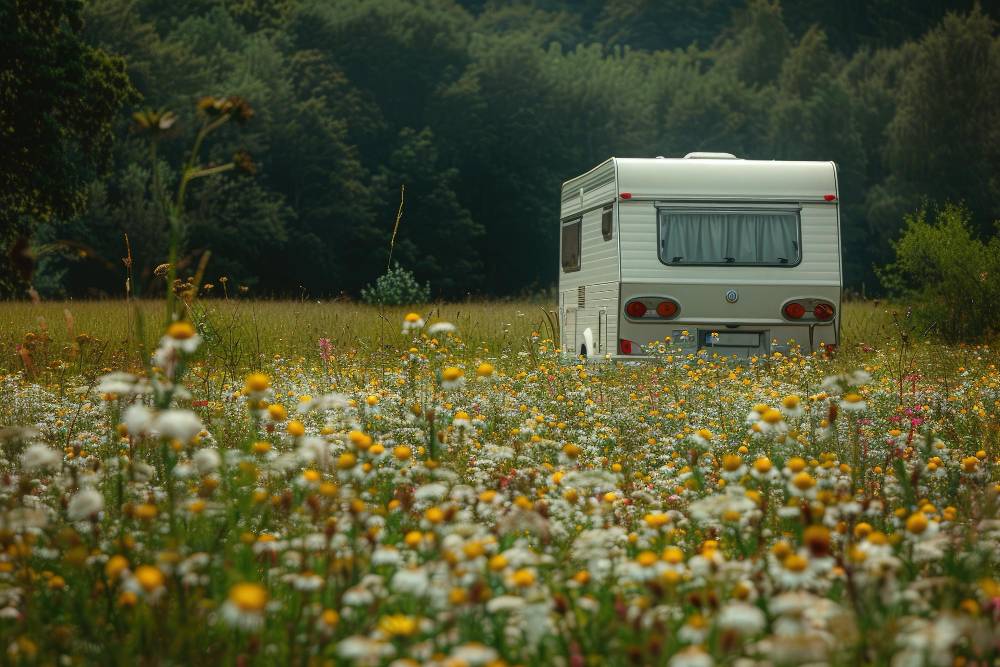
{"x":479,"y":109}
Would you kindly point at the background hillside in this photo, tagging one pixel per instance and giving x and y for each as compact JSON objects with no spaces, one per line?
{"x":482,"y":108}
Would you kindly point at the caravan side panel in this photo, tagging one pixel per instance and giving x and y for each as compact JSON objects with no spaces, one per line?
{"x":588,"y":297}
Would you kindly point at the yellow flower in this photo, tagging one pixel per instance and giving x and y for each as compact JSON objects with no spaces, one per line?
{"x":523,"y":578}
{"x":917,"y":523}
{"x":296,"y":428}
{"x":149,"y":577}
{"x":115,"y":566}
{"x":257,"y":382}
{"x":571,"y":450}
{"x":360,"y":439}
{"x":398,"y":625}
{"x":277,"y":412}
{"x":657,"y":519}
{"x":771,"y":416}
{"x":803,"y":481}
{"x":731,"y":462}
{"x":452,"y":374}
{"x":795,"y":563}
{"x":181,"y":330}
{"x":646,"y":559}
{"x":401,"y":452}
{"x":791,"y":402}
{"x":248,"y":597}
{"x":330,"y":618}
{"x":484,"y":370}
{"x":346,"y":461}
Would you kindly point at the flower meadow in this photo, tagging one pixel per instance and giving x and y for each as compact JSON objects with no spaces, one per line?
{"x":470,"y":505}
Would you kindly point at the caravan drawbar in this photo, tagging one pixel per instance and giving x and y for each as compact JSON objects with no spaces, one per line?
{"x":715,"y":253}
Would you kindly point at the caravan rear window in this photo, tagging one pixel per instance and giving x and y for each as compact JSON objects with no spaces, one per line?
{"x":729,"y":238}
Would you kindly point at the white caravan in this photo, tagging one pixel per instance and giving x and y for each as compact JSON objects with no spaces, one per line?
{"x":738,"y":257}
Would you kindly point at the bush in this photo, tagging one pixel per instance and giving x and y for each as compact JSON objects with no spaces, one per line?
{"x":952,"y":277}
{"x":396,"y":287}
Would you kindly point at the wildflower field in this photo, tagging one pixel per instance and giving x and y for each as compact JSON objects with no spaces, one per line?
{"x":292,"y":483}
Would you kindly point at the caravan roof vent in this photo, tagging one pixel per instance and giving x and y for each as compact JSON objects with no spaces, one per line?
{"x":660,"y":157}
{"x":710,"y":156}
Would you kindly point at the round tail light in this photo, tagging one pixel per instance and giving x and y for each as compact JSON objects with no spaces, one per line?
{"x":823,"y":311}
{"x":794,"y":310}
{"x":635,"y":309}
{"x":666,"y":309}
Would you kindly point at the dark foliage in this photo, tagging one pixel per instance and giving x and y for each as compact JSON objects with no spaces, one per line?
{"x":481,"y":108}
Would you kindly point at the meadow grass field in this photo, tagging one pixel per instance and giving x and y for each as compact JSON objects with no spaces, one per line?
{"x":329,"y":483}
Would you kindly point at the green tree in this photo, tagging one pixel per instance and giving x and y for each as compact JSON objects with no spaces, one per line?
{"x":756,"y":43}
{"x":437,"y":238}
{"x":59,"y":97}
{"x":945,"y":137}
{"x":814,"y":118}
{"x":664,"y":24}
{"x":952,"y":276}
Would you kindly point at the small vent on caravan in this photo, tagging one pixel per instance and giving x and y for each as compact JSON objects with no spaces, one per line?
{"x":606,"y":222}
{"x":581,"y":296}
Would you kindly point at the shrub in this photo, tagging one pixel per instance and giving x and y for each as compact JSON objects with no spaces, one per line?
{"x":396,"y":287}
{"x":952,"y":277}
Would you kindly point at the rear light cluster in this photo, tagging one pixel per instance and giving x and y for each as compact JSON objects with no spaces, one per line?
{"x":647,"y":309}
{"x":651,"y":309}
{"x":808,"y":309}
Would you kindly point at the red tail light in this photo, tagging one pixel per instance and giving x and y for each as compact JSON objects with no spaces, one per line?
{"x":635,"y":309}
{"x":794,"y":311}
{"x":823,"y":311}
{"x":666,"y":309}
{"x":624,"y":346}
{"x":625,"y":195}
{"x":829,"y":197}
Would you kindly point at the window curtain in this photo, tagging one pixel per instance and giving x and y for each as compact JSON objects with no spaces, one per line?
{"x":721,"y":238}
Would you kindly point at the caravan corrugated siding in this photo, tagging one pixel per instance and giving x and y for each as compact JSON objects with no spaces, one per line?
{"x":588,"y":298}
{"x":820,"y":253}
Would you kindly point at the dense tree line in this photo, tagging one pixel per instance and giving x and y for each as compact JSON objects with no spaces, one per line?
{"x":482,"y":108}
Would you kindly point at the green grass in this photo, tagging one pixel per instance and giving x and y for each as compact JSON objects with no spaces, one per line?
{"x":246,"y":332}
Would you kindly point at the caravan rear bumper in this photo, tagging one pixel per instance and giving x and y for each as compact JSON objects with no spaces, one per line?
{"x":741,"y":340}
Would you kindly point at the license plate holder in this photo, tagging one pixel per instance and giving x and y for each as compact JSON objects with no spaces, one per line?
{"x":731,"y":339}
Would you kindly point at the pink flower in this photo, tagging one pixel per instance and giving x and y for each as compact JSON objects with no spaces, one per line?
{"x":325,"y":349}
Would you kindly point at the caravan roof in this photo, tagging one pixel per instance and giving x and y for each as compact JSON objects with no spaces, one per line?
{"x":703,"y":176}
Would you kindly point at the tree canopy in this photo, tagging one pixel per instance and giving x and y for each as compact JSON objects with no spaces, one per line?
{"x":480,"y":108}
{"x":59,"y":98}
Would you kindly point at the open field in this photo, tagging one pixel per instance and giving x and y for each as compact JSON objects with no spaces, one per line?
{"x":248,"y":332}
{"x":302,"y":483}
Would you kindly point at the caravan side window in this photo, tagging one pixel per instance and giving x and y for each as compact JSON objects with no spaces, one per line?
{"x":571,"y":245}
{"x":606,"y":222}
